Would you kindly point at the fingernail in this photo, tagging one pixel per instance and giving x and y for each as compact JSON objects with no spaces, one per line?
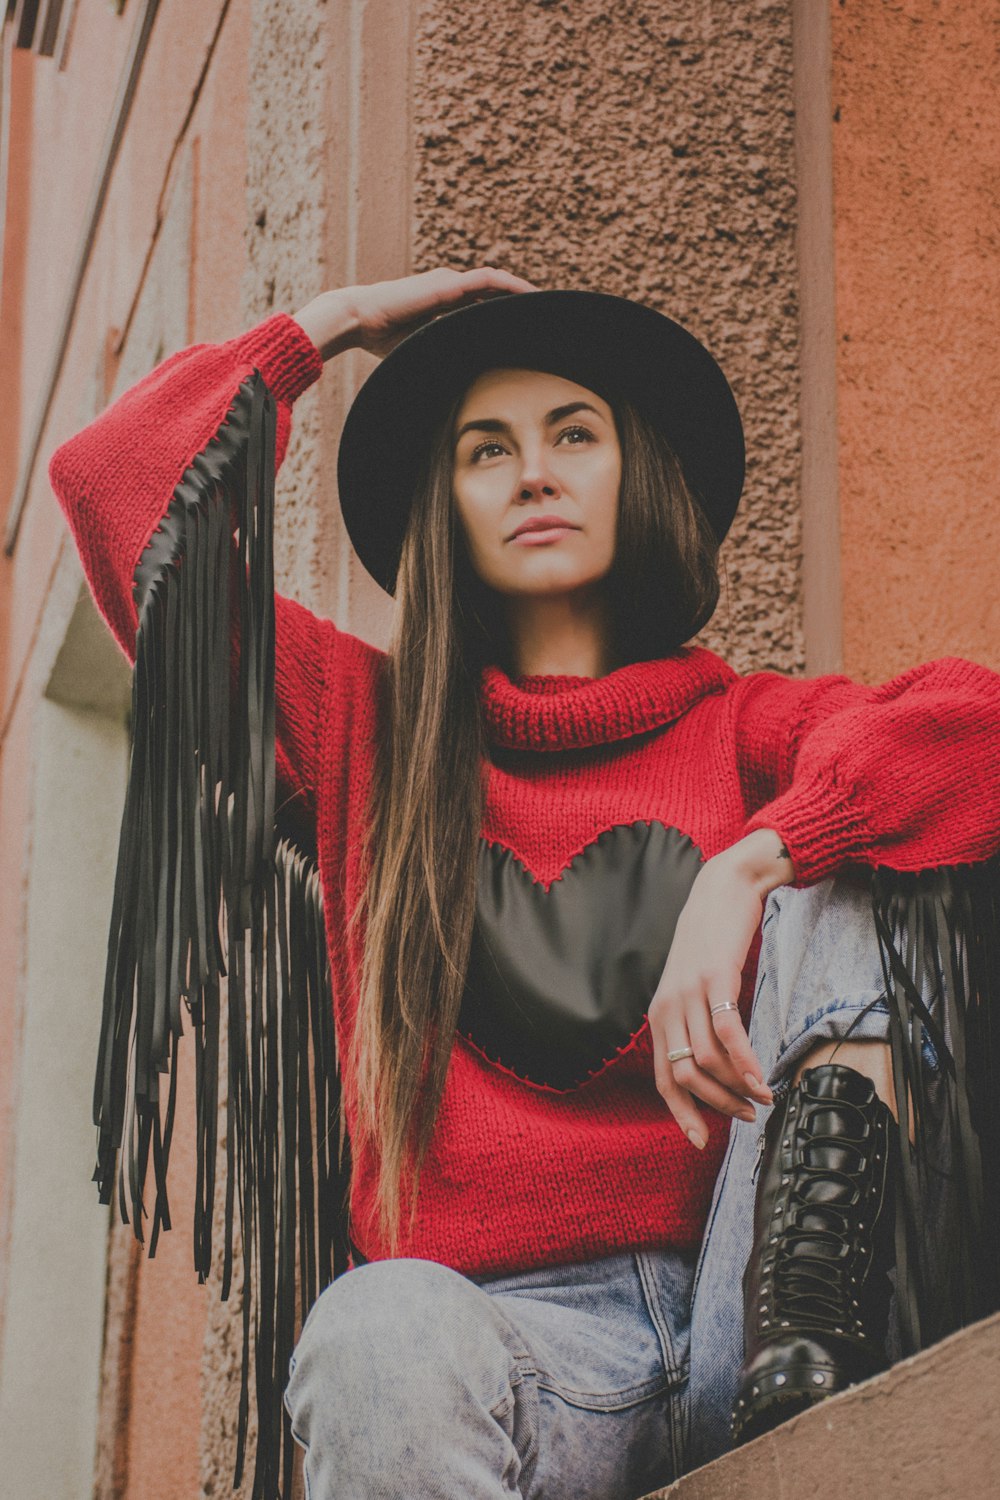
{"x":696,"y":1139}
{"x":757,"y":1086}
{"x":748,"y":1115}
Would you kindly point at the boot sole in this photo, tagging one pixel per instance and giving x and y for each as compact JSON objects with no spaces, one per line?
{"x":780,"y":1396}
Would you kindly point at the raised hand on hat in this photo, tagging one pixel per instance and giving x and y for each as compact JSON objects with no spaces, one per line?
{"x":379,"y":315}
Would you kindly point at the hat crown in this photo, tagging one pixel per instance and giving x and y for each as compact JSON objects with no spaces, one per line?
{"x":610,"y":344}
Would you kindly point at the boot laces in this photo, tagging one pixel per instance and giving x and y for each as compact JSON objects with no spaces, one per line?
{"x":824,"y":1246}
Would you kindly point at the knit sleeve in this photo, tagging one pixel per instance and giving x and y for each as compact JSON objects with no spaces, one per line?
{"x":904,"y":774}
{"x":169,"y":494}
{"x":126,"y":481}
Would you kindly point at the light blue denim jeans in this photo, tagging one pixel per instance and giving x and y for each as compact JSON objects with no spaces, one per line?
{"x":599,"y":1381}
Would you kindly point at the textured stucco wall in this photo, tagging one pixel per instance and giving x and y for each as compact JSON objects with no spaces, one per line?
{"x":645,"y":150}
{"x":285,"y":241}
{"x":916,"y":143}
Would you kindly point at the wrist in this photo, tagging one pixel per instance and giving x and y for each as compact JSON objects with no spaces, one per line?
{"x":761,"y":859}
{"x":331,"y":321}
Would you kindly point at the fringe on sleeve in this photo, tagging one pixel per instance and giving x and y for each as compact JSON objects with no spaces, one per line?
{"x":206,"y":889}
{"x":939,"y":939}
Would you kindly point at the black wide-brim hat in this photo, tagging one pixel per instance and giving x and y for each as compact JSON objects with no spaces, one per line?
{"x":609,"y":344}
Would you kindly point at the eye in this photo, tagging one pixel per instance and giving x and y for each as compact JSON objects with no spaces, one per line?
{"x":587,"y":435}
{"x":480,"y":447}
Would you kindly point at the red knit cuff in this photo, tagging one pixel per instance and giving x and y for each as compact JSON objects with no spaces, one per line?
{"x":284,"y":354}
{"x":821,"y":827}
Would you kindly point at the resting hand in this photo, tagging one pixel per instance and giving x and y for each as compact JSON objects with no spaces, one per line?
{"x":704,"y":970}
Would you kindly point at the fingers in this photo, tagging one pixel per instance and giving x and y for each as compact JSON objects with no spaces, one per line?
{"x":493,"y":279}
{"x":731,"y":1033}
{"x":476,"y":284}
{"x":679,"y":1101}
{"x":694,"y":1078}
{"x":681,"y":1080}
{"x":709,"y":1051}
{"x":720,"y":1073}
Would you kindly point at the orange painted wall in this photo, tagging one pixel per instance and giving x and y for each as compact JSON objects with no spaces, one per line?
{"x":916,"y":153}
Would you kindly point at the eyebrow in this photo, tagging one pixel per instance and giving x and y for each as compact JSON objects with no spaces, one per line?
{"x":493,"y":424}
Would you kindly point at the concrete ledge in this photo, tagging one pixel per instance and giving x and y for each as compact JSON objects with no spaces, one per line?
{"x":926,"y":1429}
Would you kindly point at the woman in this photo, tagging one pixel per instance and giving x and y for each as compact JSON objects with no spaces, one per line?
{"x":545,"y":831}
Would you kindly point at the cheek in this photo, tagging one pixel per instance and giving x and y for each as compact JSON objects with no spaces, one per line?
{"x":473,"y":522}
{"x":607,"y":497}
{"x":462,"y":511}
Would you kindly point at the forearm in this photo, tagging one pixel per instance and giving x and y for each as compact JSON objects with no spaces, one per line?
{"x":761,"y":859}
{"x":331,"y":321}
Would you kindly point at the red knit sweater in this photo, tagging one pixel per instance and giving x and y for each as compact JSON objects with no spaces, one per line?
{"x":905,"y":774}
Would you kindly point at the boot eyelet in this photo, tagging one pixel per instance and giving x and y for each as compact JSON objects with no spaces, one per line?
{"x":780,"y":1379}
{"x":819,"y":1379}
{"x":765,"y":1322}
{"x":785,"y":1323}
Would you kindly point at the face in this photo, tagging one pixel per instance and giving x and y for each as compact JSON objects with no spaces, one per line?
{"x":527,"y":446}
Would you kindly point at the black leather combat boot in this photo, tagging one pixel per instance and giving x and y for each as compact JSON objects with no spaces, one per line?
{"x":816,"y":1290}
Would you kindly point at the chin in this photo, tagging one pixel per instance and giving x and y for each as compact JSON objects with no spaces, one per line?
{"x":547,"y":583}
{"x":538,"y":576}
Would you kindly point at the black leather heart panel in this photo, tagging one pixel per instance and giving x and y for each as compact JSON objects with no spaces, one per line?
{"x":560,"y":979}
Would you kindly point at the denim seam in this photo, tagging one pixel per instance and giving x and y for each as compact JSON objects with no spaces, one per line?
{"x":592,"y":1400}
{"x":521,"y":1369}
{"x":674,"y":1374}
{"x":677,"y":1376}
{"x":609,"y":1401}
{"x":630,"y":1395}
{"x":713,"y":1212}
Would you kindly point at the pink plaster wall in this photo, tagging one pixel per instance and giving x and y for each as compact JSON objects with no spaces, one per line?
{"x":916,"y":148}
{"x":61,"y":119}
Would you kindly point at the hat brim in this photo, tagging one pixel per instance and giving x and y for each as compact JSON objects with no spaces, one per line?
{"x":598,"y":340}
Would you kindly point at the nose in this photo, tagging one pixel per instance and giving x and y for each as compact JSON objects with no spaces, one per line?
{"x":536,"y":478}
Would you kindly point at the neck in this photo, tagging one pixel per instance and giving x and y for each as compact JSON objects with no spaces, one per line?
{"x":560,"y":634}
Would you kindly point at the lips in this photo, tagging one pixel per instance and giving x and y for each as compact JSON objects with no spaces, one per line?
{"x":544,"y":523}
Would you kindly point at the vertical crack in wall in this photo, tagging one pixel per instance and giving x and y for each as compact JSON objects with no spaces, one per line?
{"x":285,"y":242}
{"x":285,"y":246}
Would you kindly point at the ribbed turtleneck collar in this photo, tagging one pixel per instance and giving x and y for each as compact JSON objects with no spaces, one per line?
{"x":561,"y":712}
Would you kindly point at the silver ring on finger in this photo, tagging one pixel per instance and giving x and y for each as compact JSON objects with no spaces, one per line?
{"x":726,"y":1005}
{"x":679,"y":1053}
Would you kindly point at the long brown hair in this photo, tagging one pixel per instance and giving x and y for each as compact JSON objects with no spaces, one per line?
{"x":426,"y":805}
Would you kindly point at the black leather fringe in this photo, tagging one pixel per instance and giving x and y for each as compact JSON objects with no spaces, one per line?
{"x":204,"y":889}
{"x":939,"y":938}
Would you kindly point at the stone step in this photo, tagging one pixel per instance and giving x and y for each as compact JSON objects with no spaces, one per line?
{"x":928,"y":1429}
